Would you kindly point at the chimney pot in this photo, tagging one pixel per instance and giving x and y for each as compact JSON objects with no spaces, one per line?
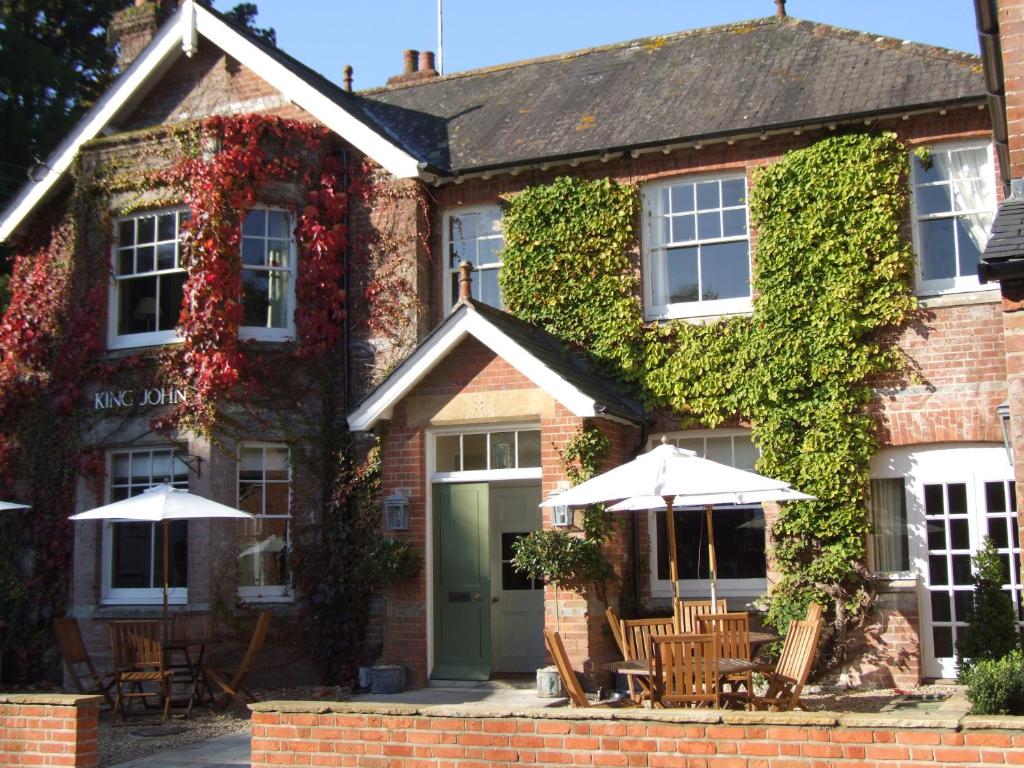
{"x":410,"y":57}
{"x":780,"y":8}
{"x":347,"y":77}
{"x":465,"y":280}
{"x":427,"y":61}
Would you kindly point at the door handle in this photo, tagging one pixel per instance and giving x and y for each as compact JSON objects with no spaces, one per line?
{"x":495,"y":599}
{"x":476,"y":596}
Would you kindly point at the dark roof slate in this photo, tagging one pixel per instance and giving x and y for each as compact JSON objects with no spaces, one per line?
{"x":735,"y":79}
{"x":1006,"y":241}
{"x":569,"y":362}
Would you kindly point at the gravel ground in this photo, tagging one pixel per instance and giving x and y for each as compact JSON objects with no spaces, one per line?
{"x":118,"y":743}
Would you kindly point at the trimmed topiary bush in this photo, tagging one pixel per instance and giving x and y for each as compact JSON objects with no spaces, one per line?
{"x":996,"y":686}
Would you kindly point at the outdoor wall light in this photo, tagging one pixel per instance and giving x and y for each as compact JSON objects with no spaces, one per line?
{"x":396,"y":512}
{"x":1003,"y":412}
{"x":561,"y":516}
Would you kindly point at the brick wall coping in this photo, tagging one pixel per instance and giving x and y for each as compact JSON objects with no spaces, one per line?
{"x":943,"y":720}
{"x":50,"y":699}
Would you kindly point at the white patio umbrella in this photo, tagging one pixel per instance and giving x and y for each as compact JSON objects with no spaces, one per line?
{"x":668,"y":477}
{"x":12,"y":505}
{"x":162,"y":504}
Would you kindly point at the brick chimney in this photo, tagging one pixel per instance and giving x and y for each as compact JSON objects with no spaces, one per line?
{"x":416,"y":67}
{"x":465,"y":280}
{"x":131,"y":29}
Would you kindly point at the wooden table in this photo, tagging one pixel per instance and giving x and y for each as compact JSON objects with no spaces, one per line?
{"x":642,"y":667}
{"x":193,"y":650}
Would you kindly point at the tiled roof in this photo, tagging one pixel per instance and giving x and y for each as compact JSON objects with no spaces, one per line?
{"x":735,"y":79}
{"x":1004,"y":253}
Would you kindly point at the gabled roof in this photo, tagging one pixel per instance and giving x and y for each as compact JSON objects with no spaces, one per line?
{"x":337,"y":109}
{"x":716,"y":82}
{"x":564,"y":373}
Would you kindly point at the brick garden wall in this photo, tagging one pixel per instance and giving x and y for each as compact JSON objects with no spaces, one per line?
{"x":305,"y":733}
{"x":49,"y":729}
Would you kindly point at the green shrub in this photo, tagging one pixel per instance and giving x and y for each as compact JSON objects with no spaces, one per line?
{"x":996,"y":686}
{"x":992,"y":630}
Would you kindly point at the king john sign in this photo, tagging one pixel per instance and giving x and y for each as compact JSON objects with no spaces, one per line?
{"x":129,"y":398}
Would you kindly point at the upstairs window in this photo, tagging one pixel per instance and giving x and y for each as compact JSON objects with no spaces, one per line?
{"x":148,"y":279}
{"x":954,"y":205}
{"x":474,"y":235}
{"x":697,"y":259}
{"x":267,"y":268}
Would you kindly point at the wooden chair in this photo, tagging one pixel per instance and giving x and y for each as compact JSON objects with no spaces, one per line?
{"x":685,"y":613}
{"x":636,"y":644}
{"x":233,"y":683}
{"x":615,"y":623}
{"x":814,"y":611}
{"x":684,"y":671}
{"x":78,"y":663}
{"x":787,"y":678}
{"x":139,"y":662}
{"x":570,"y":682}
{"x":185,"y":657}
{"x":733,"y":632}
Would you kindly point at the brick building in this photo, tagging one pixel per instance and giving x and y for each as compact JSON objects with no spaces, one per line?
{"x":473,"y":414}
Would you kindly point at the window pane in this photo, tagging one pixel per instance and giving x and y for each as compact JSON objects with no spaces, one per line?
{"x":733,"y":192}
{"x":997,"y":531}
{"x":167,"y":226}
{"x":937,"y":570}
{"x":147,"y":229}
{"x":745,"y":452}
{"x":959,"y":534}
{"x":962,"y":570}
{"x":253,"y":251}
{"x":278,"y":224}
{"x":995,"y":497}
{"x":940,"y":607}
{"x":487,"y":288}
{"x":165,"y":255}
{"x":739,"y":543}
{"x":707,"y":195}
{"x":125,"y":261}
{"x":963,"y":602}
{"x":119,"y":468}
{"x":943,"y":639}
{"x":131,"y":555}
{"x":681,"y":269}
{"x":926,"y":173}
{"x":529,"y":448}
{"x":969,"y":163}
{"x":936,"y":199}
{"x":719,"y":449}
{"x":262,"y":553}
{"x":264,"y":304}
{"x":447,"y":447}
{"x":474,"y":452}
{"x":276,"y":463}
{"x":172,"y":288}
{"x":251,"y":463}
{"x":971,"y":236}
{"x":137,"y":305}
{"x":734,"y":223}
{"x":888,"y":510}
{"x":126,"y":232}
{"x":684,"y":229}
{"x":933,"y":500}
{"x":938,"y":256}
{"x":709,"y":225}
{"x":503,"y":448}
{"x":144,"y":259}
{"x":682,"y":198}
{"x":725,"y":271}
{"x":936,"y":534}
{"x":277,"y":253}
{"x":957,"y":493}
{"x":255,"y":223}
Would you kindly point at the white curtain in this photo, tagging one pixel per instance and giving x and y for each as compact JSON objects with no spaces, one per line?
{"x":887,"y":502}
{"x":967,"y":170}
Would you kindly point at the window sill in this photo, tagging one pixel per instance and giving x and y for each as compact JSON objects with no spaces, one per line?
{"x":275,"y":335}
{"x":959,"y":299}
{"x":706,"y":312}
{"x":142,"y":340}
{"x":268,"y":595}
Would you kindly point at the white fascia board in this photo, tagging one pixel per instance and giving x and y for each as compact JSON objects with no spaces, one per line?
{"x":426,"y":358}
{"x":396,"y":161}
{"x":159,"y":53}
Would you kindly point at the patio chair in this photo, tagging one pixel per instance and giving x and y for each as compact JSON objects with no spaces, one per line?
{"x":636,"y":643}
{"x":684,"y":671}
{"x":570,"y":682}
{"x":733,"y":632}
{"x":814,"y":611}
{"x":685,"y":613}
{"x":233,"y":683}
{"x":787,"y":678}
{"x":78,"y":662}
{"x":615,"y":623}
{"x":139,"y":664}
{"x":186,"y":651}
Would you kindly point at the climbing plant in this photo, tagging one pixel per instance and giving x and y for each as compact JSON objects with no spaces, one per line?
{"x":832,"y":273}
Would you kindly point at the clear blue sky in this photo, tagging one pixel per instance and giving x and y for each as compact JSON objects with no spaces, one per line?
{"x":371,"y":34}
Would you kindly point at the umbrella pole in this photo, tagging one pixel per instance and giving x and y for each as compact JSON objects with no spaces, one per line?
{"x":673,"y":560}
{"x":712,"y":559}
{"x":163,"y":620}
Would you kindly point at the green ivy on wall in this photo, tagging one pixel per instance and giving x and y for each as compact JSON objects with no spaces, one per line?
{"x":832,"y":272}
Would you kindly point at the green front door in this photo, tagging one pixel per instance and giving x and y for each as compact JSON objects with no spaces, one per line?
{"x":462,"y":584}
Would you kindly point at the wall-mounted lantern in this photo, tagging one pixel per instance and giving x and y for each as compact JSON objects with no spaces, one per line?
{"x":396,"y":512}
{"x":1003,"y":412}
{"x":561,"y":516}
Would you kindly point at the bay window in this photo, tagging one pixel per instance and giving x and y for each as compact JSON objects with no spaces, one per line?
{"x":264,"y":490}
{"x":954,"y":205}
{"x":697,"y":248}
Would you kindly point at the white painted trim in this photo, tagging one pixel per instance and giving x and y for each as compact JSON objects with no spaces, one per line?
{"x":427,"y":357}
{"x":150,"y":64}
{"x":430,"y":457}
{"x":178,"y":35}
{"x":397,"y":161}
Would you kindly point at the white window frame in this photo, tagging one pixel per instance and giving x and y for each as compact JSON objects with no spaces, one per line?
{"x":451,"y":297}
{"x":281,"y":592}
{"x":482,"y":475}
{"x":871,"y":554}
{"x":963,"y":283}
{"x":259,"y":333}
{"x":110,"y":595}
{"x":698,"y":589}
{"x":653,"y":246}
{"x":117,"y":340}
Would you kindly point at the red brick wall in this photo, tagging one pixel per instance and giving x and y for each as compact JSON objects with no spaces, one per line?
{"x":49,"y":729}
{"x":293,"y":733}
{"x":1011,"y":38}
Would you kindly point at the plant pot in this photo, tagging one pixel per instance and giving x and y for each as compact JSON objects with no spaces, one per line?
{"x":387,"y":678}
{"x":549,"y":683}
{"x":365,"y":678}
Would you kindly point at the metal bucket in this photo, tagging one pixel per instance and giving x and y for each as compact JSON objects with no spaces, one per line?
{"x":549,"y":683}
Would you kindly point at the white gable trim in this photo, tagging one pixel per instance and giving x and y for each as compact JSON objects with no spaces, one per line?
{"x":466,"y":322}
{"x":178,"y":35}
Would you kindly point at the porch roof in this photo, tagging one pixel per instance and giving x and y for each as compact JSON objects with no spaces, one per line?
{"x":554,"y":366}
